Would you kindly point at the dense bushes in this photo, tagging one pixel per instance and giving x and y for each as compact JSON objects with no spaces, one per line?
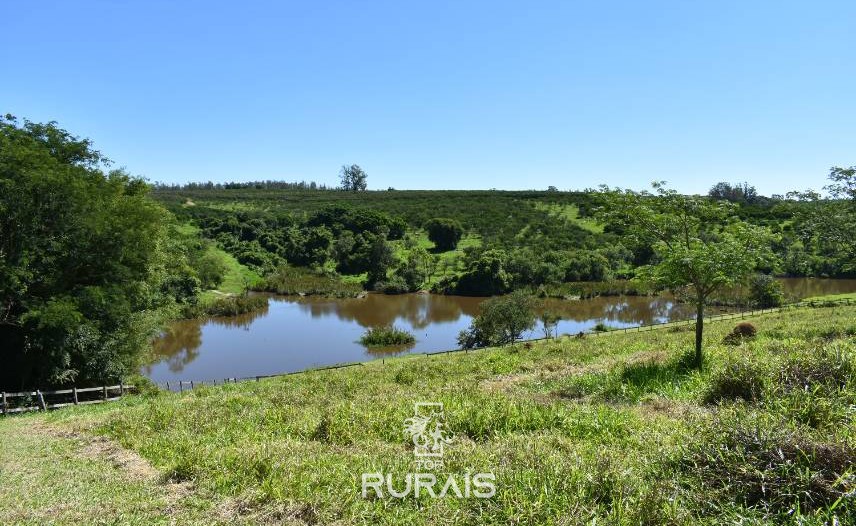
{"x":502,"y":320}
{"x":444,"y":233}
{"x":386,"y":335}
{"x":226,"y":306}
{"x":291,"y":280}
{"x":88,"y":262}
{"x":765,"y":291}
{"x":339,"y":218}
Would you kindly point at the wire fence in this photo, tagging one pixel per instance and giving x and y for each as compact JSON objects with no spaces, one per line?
{"x":20,"y":402}
{"x":183,"y":385}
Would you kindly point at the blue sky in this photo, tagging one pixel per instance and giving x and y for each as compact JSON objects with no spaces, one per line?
{"x":442,"y":94}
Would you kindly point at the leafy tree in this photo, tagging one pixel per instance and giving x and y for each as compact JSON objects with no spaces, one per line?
{"x":353,"y":178}
{"x":699,"y":244}
{"x":503,"y":320}
{"x":415,"y":269}
{"x":765,"y":291}
{"x":826,"y":227}
{"x":209,"y":266}
{"x":549,"y":321}
{"x":86,"y":262}
{"x":486,"y":275}
{"x":381,"y":259}
{"x":444,"y":233}
{"x":736,"y":193}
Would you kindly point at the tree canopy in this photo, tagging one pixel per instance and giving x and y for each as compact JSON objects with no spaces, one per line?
{"x":353,"y":178}
{"x":86,"y":261}
{"x":699,"y":243}
{"x":444,"y":233}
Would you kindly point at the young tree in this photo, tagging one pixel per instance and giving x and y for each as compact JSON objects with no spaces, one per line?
{"x":353,"y":178}
{"x":380,"y":259}
{"x":549,"y":321}
{"x":444,"y":233}
{"x":700,"y":244}
{"x":503,"y":320}
{"x":413,"y":270}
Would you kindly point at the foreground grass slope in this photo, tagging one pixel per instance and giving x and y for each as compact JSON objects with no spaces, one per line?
{"x":612,"y":430}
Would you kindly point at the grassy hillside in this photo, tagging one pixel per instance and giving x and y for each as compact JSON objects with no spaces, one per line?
{"x":607,"y":430}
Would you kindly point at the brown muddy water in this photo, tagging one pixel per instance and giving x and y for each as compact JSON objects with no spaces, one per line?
{"x":295,"y":333}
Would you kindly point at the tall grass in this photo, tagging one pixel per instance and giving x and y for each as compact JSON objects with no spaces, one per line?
{"x":293,"y":280}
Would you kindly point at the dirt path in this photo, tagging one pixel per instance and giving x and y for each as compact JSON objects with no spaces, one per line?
{"x":54,"y":475}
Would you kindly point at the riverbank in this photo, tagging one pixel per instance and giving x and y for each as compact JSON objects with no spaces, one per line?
{"x":614,"y":429}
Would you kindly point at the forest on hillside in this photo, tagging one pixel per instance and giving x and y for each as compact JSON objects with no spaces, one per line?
{"x":94,"y":261}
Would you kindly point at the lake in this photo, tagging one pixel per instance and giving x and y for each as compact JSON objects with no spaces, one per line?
{"x":295,"y":333}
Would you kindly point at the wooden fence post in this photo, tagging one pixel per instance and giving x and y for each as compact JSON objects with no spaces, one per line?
{"x":181,"y":386}
{"x":41,"y":400}
{"x":104,"y":391}
{"x":121,"y":389}
{"x":167,"y":386}
{"x":74,"y":394}
{"x":4,"y":402}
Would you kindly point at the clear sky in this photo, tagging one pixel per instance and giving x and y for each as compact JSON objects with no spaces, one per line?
{"x":436,"y":94}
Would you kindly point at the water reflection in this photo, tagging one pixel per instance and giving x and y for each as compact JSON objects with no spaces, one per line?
{"x":295,"y":333}
{"x":419,"y":310}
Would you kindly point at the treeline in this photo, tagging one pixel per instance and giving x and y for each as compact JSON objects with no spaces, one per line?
{"x":237,"y":185}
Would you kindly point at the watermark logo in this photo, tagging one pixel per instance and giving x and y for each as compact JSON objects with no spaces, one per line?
{"x":429,"y":433}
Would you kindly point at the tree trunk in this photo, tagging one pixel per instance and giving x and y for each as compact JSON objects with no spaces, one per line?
{"x":699,"y":330}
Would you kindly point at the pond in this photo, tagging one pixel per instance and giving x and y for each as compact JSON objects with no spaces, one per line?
{"x":295,"y":333}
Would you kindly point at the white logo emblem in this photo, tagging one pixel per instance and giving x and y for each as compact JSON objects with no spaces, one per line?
{"x":427,"y":429}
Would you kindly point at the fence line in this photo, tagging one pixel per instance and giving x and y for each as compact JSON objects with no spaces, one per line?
{"x":38,"y":396}
{"x":637,"y":328}
{"x":72,"y":395}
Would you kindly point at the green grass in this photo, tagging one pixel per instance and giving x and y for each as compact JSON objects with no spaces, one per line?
{"x":300,"y":280}
{"x":449,"y":263}
{"x":833,"y":297}
{"x":613,"y":429}
{"x":571,"y":214}
{"x":238,"y":277}
{"x":226,"y":306}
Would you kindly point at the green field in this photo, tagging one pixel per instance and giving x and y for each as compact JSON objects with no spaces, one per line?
{"x":607,"y":430}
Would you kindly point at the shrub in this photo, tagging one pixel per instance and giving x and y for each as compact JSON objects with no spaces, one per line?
{"x":386,"y":335}
{"x":741,"y":331}
{"x":602,"y":327}
{"x":444,"y":233}
{"x":503,"y":320}
{"x":827,"y":366}
{"x":291,"y":280}
{"x":227,"y":306}
{"x":766,"y":466}
{"x":739,"y":380}
{"x":394,"y":285}
{"x":765,"y":291}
